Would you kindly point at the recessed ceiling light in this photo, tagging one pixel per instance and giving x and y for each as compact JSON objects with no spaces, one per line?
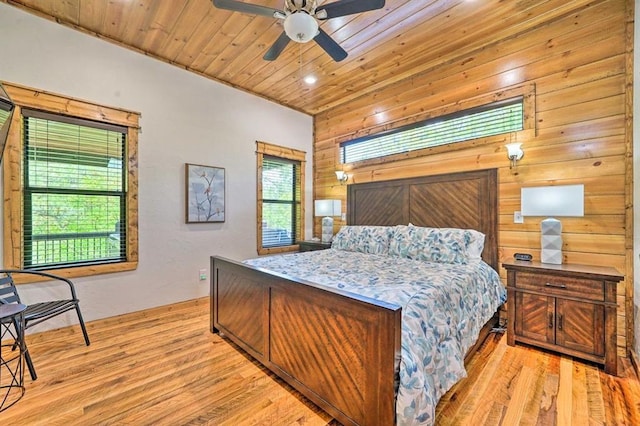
{"x":310,"y":79}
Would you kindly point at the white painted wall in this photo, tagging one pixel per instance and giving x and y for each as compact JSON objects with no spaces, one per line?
{"x":185,"y":119}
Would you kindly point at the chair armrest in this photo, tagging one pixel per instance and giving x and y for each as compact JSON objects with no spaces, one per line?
{"x":43,"y":274}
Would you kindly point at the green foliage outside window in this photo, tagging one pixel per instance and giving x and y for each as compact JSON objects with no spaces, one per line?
{"x":281,"y":202}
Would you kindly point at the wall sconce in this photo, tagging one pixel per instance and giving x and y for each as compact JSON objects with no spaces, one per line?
{"x":342,"y":177}
{"x":514,"y":152}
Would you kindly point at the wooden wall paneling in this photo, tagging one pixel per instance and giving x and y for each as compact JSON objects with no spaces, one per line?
{"x":629,"y":184}
{"x":160,"y":22}
{"x":578,"y":62}
{"x":610,"y":86}
{"x":607,"y":67}
{"x":188,"y":23}
{"x":202,"y":34}
{"x":136,"y":12}
{"x":462,"y":33}
{"x":545,"y":50}
{"x":224,"y":35}
{"x":230,"y":59}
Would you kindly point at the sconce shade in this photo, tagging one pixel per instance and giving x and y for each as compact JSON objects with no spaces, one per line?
{"x":514,"y":153}
{"x":563,"y":200}
{"x":514,"y":150}
{"x":341,"y":176}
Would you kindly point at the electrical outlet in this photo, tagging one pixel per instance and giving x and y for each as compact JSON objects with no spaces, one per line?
{"x":203,"y":274}
{"x":517,"y":217}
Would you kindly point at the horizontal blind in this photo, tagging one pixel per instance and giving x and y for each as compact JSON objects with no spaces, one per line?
{"x":281,"y":207}
{"x":488,"y":120}
{"x":74,"y":186}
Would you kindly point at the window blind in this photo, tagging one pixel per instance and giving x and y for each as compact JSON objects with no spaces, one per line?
{"x":281,"y":207}
{"x":488,"y":120}
{"x":74,"y":191}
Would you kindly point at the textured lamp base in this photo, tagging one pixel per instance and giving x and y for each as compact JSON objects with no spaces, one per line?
{"x":551,"y":241}
{"x":327,"y":229}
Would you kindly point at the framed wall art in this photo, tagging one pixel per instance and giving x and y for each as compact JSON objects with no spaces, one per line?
{"x":205,"y":189}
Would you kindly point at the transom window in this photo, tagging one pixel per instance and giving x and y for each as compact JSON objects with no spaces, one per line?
{"x":488,"y":120}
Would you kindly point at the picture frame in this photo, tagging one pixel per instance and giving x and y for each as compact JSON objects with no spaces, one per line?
{"x":205,"y":193}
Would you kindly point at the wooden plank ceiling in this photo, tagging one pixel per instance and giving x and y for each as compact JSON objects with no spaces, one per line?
{"x":405,"y":38}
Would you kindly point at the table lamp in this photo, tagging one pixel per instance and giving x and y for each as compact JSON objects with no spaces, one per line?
{"x":326,"y":209}
{"x":563,"y":200}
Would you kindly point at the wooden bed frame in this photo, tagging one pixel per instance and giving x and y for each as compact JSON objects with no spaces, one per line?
{"x":341,"y":350}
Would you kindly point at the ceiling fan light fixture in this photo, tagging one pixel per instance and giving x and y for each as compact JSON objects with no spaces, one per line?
{"x":301,"y":27}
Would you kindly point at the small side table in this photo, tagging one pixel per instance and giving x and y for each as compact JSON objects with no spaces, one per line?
{"x":312,"y":245}
{"x":12,"y":349}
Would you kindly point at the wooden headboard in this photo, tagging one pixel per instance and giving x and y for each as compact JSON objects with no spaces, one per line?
{"x":467,"y":200}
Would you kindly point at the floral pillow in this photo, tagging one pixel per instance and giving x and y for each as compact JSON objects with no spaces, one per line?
{"x":442,"y":245}
{"x":364,"y":239}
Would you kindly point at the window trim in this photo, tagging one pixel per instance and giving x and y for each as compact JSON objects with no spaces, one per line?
{"x":13,"y":174}
{"x":271,"y":150}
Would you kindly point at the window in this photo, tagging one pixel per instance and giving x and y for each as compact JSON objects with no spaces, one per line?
{"x":488,"y":120}
{"x":74,"y":208}
{"x":74,"y":194}
{"x":280,"y":198}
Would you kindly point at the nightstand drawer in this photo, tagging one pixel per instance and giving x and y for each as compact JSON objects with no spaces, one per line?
{"x":561,"y":286}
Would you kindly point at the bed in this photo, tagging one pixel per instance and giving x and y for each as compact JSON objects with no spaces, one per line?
{"x":341,"y":347}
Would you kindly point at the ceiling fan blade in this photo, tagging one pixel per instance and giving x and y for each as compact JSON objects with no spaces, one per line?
{"x":330,"y":46}
{"x":277,"y":47}
{"x":347,"y":7}
{"x":253,"y":9}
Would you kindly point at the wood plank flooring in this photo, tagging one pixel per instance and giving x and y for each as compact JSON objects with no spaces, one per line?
{"x":163,"y":367}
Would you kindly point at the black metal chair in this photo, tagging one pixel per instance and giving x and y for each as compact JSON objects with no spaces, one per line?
{"x":41,"y":311}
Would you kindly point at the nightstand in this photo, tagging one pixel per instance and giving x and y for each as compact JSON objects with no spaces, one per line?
{"x":311,"y":245}
{"x":566,"y":308}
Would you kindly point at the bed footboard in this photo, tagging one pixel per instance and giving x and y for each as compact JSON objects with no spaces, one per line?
{"x":342,"y":351}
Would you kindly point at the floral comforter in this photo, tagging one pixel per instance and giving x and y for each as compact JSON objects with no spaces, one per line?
{"x":444,"y":306}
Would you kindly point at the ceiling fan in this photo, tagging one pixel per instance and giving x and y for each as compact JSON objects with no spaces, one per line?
{"x":301,"y":21}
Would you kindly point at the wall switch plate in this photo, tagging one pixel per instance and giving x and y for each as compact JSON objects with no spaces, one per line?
{"x":203,"y":274}
{"x":344,"y":216}
{"x":517,"y":217}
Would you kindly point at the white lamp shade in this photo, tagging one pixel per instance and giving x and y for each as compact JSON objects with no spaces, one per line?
{"x":328,"y":207}
{"x":562,"y":200}
{"x":300,"y":27}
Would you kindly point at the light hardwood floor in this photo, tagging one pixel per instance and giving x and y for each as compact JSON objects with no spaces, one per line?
{"x":163,"y":367}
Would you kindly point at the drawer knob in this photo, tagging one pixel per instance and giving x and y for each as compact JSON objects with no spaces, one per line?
{"x":555,"y":285}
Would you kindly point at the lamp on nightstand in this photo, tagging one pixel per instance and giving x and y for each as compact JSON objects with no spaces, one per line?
{"x":564,"y":200}
{"x":326,"y":209}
